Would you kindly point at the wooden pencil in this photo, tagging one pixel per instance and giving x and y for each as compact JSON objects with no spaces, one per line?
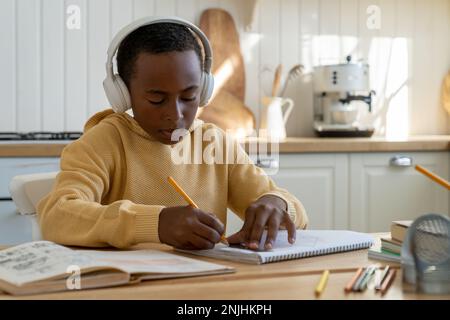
{"x":181,"y":191}
{"x":191,"y":202}
{"x":433,"y":176}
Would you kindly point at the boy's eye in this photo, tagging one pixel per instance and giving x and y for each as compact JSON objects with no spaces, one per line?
{"x":156,"y":101}
{"x":189,"y":98}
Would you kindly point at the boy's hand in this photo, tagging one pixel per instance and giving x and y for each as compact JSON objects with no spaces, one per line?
{"x":268,"y":211}
{"x":189,"y":228}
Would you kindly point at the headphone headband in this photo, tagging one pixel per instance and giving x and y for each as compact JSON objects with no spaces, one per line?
{"x":123,"y":33}
{"x":116,"y":89}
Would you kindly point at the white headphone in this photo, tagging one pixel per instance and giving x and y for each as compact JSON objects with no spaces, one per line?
{"x":115,"y":88}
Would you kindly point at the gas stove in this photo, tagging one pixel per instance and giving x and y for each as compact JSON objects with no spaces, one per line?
{"x":40,"y":135}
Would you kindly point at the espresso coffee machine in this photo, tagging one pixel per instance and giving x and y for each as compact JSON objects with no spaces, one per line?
{"x":336,"y":89}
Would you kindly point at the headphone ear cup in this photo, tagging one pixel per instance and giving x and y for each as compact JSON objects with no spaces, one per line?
{"x":117,"y":94}
{"x":111,"y":92}
{"x":207,"y":88}
{"x":123,"y":93}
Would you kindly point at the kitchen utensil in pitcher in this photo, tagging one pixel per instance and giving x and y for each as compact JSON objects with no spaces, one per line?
{"x":273,"y":120}
{"x":293,"y":73}
{"x":277,"y":80}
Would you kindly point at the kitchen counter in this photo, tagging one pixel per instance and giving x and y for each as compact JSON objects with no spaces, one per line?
{"x":373,"y":144}
{"x":29,"y":148}
{"x":290,"y":145}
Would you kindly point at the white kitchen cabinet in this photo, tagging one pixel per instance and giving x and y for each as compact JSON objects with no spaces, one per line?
{"x":382,"y":191}
{"x":320,"y":182}
{"x":361,"y":191}
{"x":12,"y":166}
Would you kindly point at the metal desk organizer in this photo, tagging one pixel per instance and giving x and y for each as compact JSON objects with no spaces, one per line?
{"x":426,"y":255}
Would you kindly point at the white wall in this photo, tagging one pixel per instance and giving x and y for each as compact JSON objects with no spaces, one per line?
{"x":51,"y":76}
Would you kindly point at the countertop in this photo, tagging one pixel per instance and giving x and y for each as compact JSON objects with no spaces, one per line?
{"x":289,"y":145}
{"x":373,"y":144}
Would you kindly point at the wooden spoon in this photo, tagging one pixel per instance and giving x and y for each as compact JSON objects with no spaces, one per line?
{"x":277,"y":80}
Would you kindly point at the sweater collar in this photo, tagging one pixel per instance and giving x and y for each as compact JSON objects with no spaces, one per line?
{"x":131,"y":123}
{"x":135,"y":127}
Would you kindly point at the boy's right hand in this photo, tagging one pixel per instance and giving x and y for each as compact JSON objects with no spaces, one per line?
{"x":185,"y":227}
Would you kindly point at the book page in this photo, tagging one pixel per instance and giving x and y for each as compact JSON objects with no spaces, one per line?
{"x":38,"y":260}
{"x":41,"y":260}
{"x":317,"y":242}
{"x":150,"y":261}
{"x":280,"y":247}
{"x":281,"y":243}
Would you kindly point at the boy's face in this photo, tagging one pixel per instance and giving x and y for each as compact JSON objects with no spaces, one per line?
{"x":165,"y":92}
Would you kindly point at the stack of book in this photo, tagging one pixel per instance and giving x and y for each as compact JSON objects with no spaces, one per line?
{"x":391,"y":247}
{"x":399,"y":228}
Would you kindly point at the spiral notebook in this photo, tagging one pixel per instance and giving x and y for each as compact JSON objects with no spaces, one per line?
{"x":308,"y":243}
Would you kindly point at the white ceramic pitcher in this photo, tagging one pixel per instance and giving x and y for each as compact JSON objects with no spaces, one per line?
{"x":273,"y":121}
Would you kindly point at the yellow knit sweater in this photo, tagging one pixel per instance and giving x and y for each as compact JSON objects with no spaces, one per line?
{"x":113,"y":185}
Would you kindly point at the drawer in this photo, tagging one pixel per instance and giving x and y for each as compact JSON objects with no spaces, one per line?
{"x":10,"y":167}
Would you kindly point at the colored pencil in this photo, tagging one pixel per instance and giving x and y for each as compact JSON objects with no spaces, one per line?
{"x":382,"y":277}
{"x":360,"y":279}
{"x":388,"y":281}
{"x":353,"y":280}
{"x":322,"y":283}
{"x":365,"y":281}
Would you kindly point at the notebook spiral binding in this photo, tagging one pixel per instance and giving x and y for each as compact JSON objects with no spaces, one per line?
{"x":317,"y":252}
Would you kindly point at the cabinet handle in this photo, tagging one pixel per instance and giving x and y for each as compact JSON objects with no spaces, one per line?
{"x":401,"y":161}
{"x":267,"y":164}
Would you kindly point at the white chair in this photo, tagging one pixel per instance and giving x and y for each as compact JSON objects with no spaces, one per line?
{"x":26,"y":190}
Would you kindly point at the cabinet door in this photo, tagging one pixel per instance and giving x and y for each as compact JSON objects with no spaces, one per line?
{"x":320,"y":182}
{"x":383,"y":190}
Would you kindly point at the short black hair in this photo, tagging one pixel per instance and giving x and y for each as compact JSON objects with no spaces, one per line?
{"x":154,"y":38}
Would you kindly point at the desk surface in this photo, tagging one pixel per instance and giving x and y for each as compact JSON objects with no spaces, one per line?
{"x":295,"y":279}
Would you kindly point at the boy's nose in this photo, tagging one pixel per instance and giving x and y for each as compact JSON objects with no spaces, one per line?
{"x":174,"y":113}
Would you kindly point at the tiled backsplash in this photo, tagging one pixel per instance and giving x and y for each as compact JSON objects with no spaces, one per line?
{"x":52,"y":76}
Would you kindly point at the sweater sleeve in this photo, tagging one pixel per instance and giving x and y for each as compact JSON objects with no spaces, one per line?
{"x":247,"y":183}
{"x":73,"y":212}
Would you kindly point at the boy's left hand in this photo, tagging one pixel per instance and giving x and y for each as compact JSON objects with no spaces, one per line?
{"x":268,"y":211}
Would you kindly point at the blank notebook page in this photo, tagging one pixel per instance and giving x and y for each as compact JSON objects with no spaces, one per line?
{"x":308,"y":243}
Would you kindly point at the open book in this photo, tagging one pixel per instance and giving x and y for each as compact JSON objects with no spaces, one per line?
{"x":308,"y":243}
{"x":43,"y":266}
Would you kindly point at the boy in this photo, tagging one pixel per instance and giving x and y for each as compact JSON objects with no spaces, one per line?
{"x":112,"y":188}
